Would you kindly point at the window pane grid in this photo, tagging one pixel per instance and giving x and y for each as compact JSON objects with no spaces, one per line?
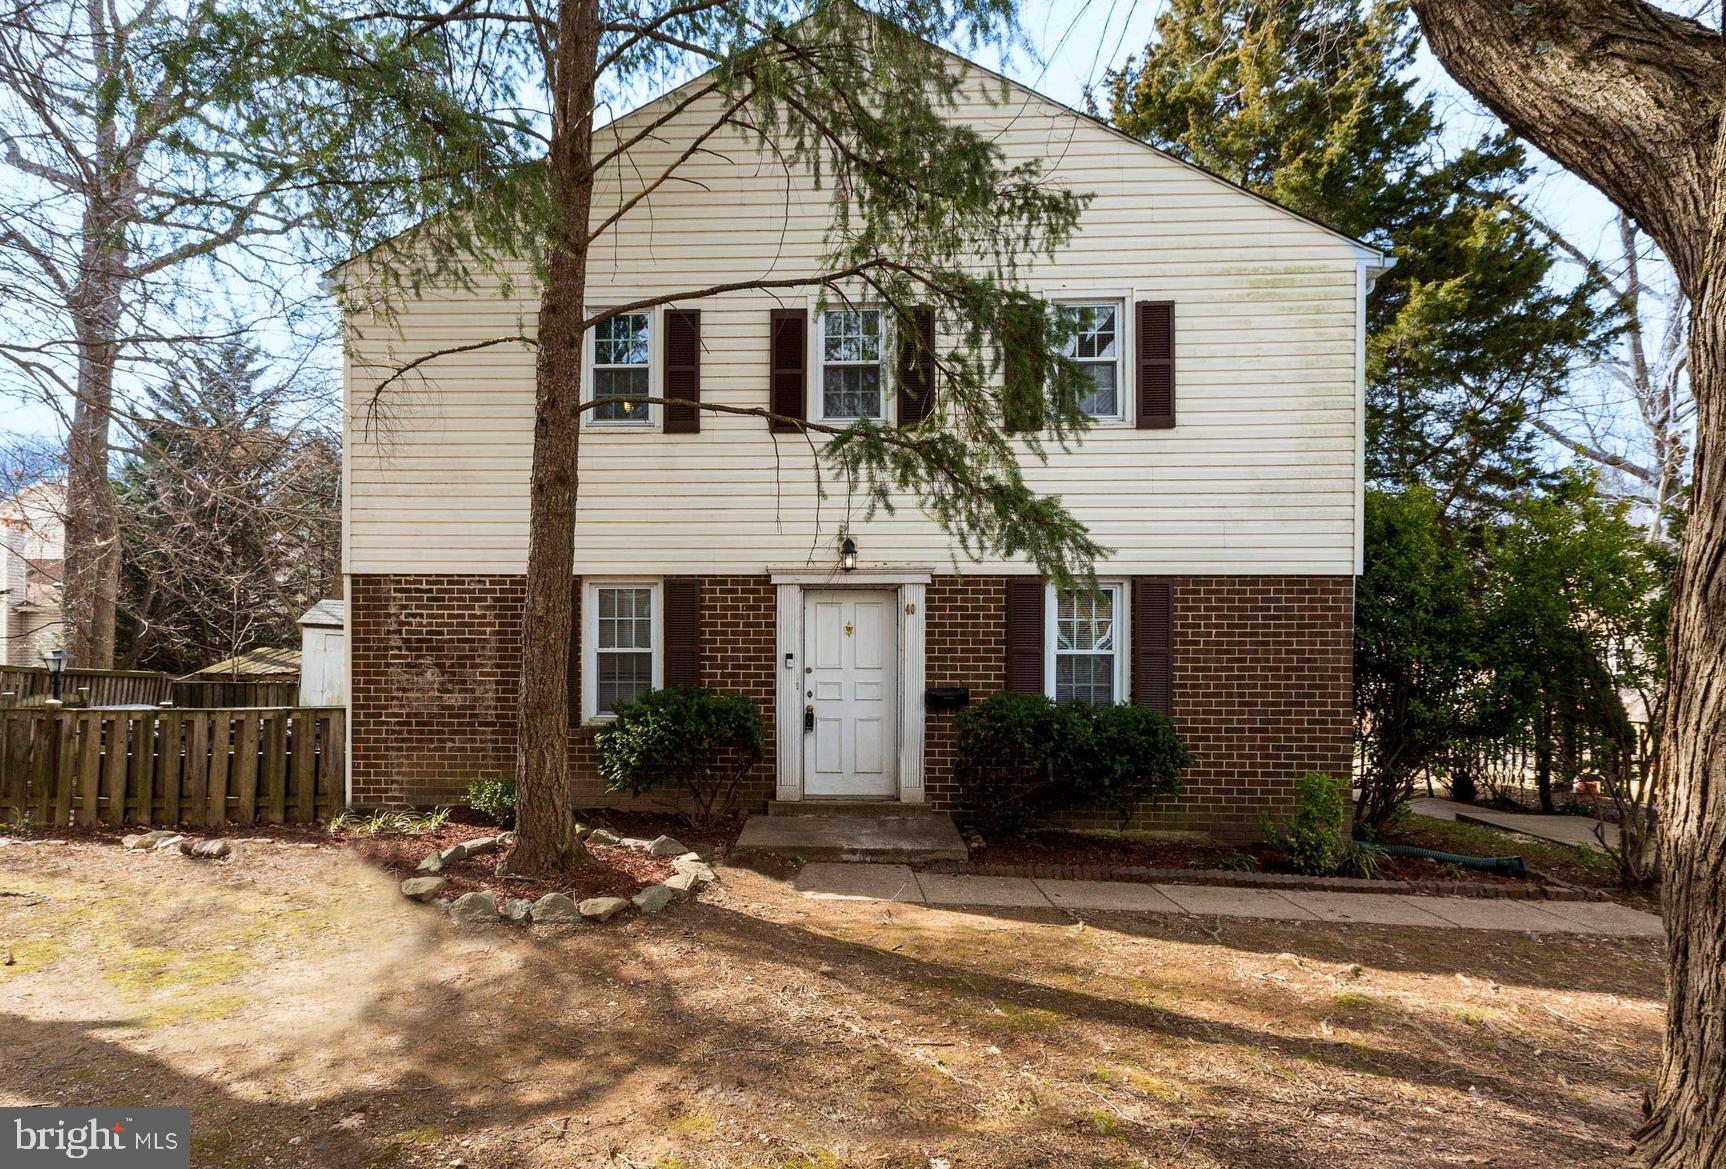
{"x":623,"y":646}
{"x":1086,"y":646}
{"x":851,"y":363}
{"x":1095,"y":345}
{"x":621,"y":354}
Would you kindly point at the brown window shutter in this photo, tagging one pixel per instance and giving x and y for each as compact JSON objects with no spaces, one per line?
{"x":1153,"y":639}
{"x":682,"y":631}
{"x":1023,"y":339}
{"x":572,"y":672}
{"x":789,"y":337}
{"x":1025,"y":634}
{"x":1155,"y":378}
{"x":916,"y":365}
{"x":682,"y":370}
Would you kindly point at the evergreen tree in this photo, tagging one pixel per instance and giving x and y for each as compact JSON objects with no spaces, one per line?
{"x":230,"y":520}
{"x":1311,"y":103}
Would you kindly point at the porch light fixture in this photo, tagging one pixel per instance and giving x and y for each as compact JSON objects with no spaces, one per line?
{"x":848,"y":555}
{"x":55,"y":660}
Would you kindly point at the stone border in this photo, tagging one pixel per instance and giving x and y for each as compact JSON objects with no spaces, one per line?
{"x":481,"y":906}
{"x":1540,"y":890}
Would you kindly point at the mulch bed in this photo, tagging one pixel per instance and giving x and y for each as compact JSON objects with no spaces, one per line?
{"x":612,"y":871}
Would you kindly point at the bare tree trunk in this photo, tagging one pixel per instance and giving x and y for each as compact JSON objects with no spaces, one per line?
{"x":1629,"y":96}
{"x":545,"y":811}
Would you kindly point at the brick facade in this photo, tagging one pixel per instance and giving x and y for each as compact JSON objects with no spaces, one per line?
{"x":1262,"y":679}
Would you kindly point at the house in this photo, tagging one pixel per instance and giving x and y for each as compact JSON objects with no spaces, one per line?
{"x":32,"y":567}
{"x":1225,"y":470}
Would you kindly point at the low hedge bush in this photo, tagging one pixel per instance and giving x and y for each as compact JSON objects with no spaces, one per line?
{"x":703,"y":742}
{"x":1022,"y":756}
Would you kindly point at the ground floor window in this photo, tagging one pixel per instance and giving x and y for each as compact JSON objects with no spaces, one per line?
{"x":1086,"y":655}
{"x":621,"y":644}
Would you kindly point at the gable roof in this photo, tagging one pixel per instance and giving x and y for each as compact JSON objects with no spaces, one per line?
{"x":1377,"y":258}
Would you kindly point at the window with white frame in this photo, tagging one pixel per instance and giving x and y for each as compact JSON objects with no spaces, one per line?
{"x":1093,"y":340}
{"x":623,"y":368}
{"x":620,"y":644}
{"x":1087,"y":650}
{"x":851,"y":347}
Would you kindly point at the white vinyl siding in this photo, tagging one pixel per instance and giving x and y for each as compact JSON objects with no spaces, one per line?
{"x":1260,"y":477}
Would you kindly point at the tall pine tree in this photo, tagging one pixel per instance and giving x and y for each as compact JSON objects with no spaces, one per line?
{"x":1312,"y":103}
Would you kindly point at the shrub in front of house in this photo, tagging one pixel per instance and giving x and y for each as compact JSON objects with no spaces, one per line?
{"x":701,"y":743}
{"x":1317,"y":839}
{"x":1022,"y":756}
{"x":494,"y":798}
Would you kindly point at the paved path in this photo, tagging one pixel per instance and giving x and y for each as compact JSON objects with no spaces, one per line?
{"x":1571,"y":830}
{"x":863,"y":882}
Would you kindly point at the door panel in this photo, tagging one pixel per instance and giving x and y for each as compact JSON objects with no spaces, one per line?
{"x":851,"y":654}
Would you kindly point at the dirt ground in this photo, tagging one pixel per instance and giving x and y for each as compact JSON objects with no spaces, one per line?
{"x":309,"y":1016}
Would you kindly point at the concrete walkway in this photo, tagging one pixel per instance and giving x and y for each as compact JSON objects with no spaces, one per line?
{"x":866,"y":882}
{"x":1569,"y":830}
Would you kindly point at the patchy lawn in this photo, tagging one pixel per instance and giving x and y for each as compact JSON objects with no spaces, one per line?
{"x":311,"y":1017}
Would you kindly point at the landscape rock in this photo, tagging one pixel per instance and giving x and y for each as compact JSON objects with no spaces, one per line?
{"x":635,"y":842}
{"x":505,"y":839}
{"x":431,"y":864}
{"x":168,"y":843}
{"x":603,"y":836}
{"x":697,"y":868}
{"x":685,"y":884}
{"x":555,"y":907}
{"x":474,"y":907}
{"x":422,"y":888}
{"x":147,"y":839}
{"x":205,"y":850}
{"x":582,"y":831}
{"x":666,"y":846}
{"x":517,"y":909}
{"x":603,"y":908}
{"x":476,"y":847}
{"x":654,"y":898}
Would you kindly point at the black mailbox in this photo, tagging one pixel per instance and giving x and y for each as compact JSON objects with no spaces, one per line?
{"x":946,"y":697}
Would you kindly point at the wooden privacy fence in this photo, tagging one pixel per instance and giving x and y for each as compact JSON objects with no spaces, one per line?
{"x":198,"y":767}
{"x":30,"y":685}
{"x":209,"y":693}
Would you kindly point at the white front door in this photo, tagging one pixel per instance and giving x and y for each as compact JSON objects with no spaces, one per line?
{"x":850,"y":693}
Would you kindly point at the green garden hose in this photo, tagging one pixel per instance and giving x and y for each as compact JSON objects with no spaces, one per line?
{"x":1504,"y":866}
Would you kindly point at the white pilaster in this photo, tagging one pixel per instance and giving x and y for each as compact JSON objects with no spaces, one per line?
{"x":788,"y":710}
{"x":911,"y":687}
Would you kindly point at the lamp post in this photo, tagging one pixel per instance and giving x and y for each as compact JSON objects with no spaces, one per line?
{"x":55,"y":660}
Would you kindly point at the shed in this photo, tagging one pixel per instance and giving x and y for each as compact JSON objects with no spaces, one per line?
{"x":324,"y":654}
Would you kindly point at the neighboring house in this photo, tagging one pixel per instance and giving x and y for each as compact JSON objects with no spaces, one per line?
{"x":32,"y":565}
{"x":1225,"y":470}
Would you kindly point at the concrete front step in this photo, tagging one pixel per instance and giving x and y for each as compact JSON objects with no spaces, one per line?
{"x":850,"y":837}
{"x":874,"y":808}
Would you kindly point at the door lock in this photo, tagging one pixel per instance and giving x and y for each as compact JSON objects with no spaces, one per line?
{"x":808,"y":718}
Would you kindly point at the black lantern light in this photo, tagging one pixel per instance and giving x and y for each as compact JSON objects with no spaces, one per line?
{"x":848,"y":554}
{"x":55,"y":660}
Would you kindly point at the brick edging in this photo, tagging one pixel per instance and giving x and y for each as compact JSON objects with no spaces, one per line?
{"x":1528,"y":891}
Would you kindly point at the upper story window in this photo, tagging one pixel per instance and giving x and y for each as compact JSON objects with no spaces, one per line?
{"x":623,"y":368}
{"x":621,"y":657}
{"x":1095,"y":343}
{"x":851,"y":347}
{"x":1087,"y":652}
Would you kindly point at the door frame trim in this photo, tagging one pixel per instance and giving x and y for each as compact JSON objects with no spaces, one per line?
{"x":912,"y":588}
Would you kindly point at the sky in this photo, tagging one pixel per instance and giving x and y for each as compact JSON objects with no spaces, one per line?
{"x":1074,"y":46}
